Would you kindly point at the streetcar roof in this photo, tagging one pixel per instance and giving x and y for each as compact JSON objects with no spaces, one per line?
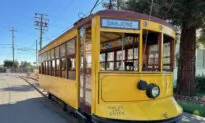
{"x":113,"y":14}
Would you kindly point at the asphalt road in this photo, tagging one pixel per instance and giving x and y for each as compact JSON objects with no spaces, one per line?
{"x":21,"y":103}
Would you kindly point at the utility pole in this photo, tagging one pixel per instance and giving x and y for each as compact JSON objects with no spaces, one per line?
{"x":118,"y":4}
{"x":41,"y":23}
{"x":110,"y":5}
{"x":36,"y":53}
{"x":12,"y":31}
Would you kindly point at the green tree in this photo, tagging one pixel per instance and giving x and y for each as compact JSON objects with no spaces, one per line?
{"x":25,"y":65}
{"x":9,"y":64}
{"x":189,"y":15}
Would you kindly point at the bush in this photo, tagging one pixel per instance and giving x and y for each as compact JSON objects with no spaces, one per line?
{"x":200,"y":83}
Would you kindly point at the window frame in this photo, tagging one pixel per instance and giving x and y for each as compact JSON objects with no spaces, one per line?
{"x":71,"y":56}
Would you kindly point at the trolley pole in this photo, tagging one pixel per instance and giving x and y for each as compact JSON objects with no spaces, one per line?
{"x":12,"y":31}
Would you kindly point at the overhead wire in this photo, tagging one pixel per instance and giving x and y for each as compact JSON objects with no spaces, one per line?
{"x":94,"y":7}
{"x":168,"y":10}
{"x":49,"y":38}
{"x":147,"y":32}
{"x":90,"y":11}
{"x":97,"y":3}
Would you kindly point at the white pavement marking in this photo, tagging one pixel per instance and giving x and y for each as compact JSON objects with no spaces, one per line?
{"x":21,"y":103}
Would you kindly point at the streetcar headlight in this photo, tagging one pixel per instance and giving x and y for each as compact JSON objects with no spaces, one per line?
{"x":153,"y":91}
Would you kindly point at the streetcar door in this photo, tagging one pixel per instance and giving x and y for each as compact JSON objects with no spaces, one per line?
{"x":85,"y":69}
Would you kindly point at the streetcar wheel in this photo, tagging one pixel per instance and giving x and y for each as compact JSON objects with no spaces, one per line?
{"x":65,"y":107}
{"x":49,"y":96}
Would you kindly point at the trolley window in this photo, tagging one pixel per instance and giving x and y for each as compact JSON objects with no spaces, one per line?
{"x":168,"y":53}
{"x":71,"y":59}
{"x":119,"y":51}
{"x":57,"y":66}
{"x":151,"y":51}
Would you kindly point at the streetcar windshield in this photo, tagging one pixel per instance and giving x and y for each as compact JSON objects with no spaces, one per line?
{"x":119,"y":51}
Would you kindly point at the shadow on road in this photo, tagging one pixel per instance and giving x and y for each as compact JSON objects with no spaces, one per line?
{"x":34,"y":110}
{"x":20,"y":88}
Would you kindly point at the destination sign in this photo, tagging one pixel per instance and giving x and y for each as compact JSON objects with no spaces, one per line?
{"x":120,"y":24}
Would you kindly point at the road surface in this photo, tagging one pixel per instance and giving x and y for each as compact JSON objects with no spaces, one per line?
{"x":21,"y":103}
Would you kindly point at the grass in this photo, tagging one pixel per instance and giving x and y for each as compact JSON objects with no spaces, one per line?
{"x":193,"y":108}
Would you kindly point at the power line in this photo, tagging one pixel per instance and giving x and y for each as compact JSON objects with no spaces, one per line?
{"x":168,"y":10}
{"x":21,"y":49}
{"x":90,"y":11}
{"x":5,"y":44}
{"x":97,"y":3}
{"x":94,"y":7}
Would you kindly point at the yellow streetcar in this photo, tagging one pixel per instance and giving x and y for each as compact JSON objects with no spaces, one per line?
{"x":114,"y":67}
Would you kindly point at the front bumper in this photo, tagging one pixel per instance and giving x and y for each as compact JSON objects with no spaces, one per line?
{"x":97,"y":119}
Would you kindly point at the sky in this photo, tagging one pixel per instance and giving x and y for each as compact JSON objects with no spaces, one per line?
{"x":20,"y":15}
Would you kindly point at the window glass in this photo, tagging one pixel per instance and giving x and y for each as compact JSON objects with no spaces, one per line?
{"x":132,"y":53}
{"x":44,"y":57}
{"x":153,"y":58}
{"x":57,"y":52}
{"x":71,"y":47}
{"x":43,"y":68}
{"x":121,"y":55}
{"x":40,"y":58}
{"x":71,"y":63}
{"x":71,"y":68}
{"x":63,"y":68}
{"x":89,"y":61}
{"x":110,"y":66}
{"x":62,"y":50}
{"x":166,"y":54}
{"x":49,"y":67}
{"x":57,"y":73}
{"x":48,"y":55}
{"x":119,"y":65}
{"x":102,"y":57}
{"x":52,"y":54}
{"x":119,"y":51}
{"x":102,"y":66}
{"x":46,"y":68}
{"x":53,"y":68}
{"x":110,"y":56}
{"x":168,"y":50}
{"x":150,"y":51}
